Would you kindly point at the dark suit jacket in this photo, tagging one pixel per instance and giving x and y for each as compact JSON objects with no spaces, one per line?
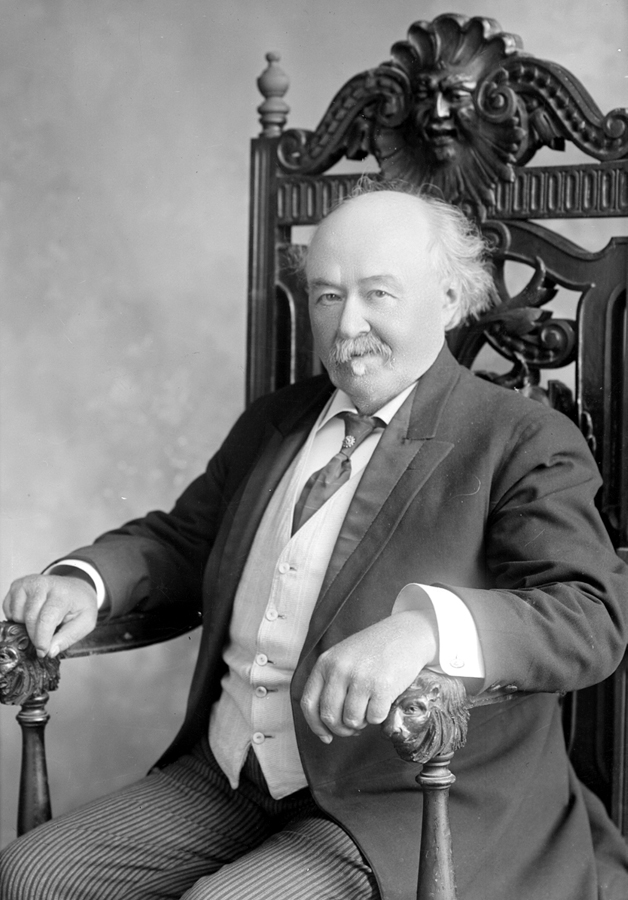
{"x":472,"y":487}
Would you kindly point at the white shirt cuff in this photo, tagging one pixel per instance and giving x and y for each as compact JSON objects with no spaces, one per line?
{"x":459,"y":650}
{"x":89,"y":570}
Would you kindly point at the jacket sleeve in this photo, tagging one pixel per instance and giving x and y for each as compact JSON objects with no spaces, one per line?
{"x":555,"y":616}
{"x":160,"y":559}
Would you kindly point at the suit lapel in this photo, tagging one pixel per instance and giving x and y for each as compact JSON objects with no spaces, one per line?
{"x":405,"y":458}
{"x":281,"y":442}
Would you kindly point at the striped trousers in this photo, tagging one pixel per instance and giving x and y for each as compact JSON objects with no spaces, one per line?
{"x":182,"y":833}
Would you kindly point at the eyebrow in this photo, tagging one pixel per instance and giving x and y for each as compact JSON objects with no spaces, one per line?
{"x":370,"y":279}
{"x":384,"y":278}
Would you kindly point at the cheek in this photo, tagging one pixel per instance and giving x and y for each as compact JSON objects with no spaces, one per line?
{"x":324,"y":326}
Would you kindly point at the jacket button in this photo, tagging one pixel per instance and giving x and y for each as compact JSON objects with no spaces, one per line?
{"x":271,"y":614}
{"x":261,"y":691}
{"x":261,"y":659}
{"x":258,"y":738}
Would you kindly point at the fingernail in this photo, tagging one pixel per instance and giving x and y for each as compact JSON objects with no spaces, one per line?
{"x":54,"y":649}
{"x":326,"y":738}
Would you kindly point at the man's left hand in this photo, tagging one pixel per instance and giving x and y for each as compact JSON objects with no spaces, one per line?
{"x":354,"y":683}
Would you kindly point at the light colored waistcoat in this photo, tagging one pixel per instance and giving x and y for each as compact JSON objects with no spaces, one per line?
{"x":273,"y":605}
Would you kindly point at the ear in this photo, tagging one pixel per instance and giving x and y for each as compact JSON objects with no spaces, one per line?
{"x":450,"y":309}
{"x":434,"y":692}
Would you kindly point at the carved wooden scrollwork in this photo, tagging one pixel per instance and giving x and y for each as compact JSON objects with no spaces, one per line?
{"x":376,"y":98}
{"x":531,"y":336}
{"x":23,"y":674}
{"x":458,"y":107}
{"x":520,"y":330}
{"x":559,"y":108}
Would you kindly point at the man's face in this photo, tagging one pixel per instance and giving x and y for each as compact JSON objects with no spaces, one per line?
{"x":378,"y":308}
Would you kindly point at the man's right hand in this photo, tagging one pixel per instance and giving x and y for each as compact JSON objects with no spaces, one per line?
{"x":57,"y":610}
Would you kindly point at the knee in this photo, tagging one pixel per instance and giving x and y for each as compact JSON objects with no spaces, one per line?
{"x":14,"y":871}
{"x":23,"y":874}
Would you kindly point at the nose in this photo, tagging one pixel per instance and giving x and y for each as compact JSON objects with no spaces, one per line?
{"x":393,"y":723}
{"x":441,"y":106}
{"x":353,"y":321}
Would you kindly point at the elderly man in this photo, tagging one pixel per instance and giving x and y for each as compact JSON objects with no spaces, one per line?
{"x":353,"y":529}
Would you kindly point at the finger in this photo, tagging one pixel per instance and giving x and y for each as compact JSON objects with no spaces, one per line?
{"x":7,"y":604}
{"x":310,"y":706}
{"x":51,"y":615}
{"x":379,"y":706}
{"x":28,"y":604}
{"x":73,"y":628}
{"x":331,"y":707}
{"x":355,"y":709}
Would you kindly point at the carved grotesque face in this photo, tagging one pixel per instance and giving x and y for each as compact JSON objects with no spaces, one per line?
{"x":444,"y":113}
{"x":8,"y":659}
{"x":429,"y":718}
{"x":22,"y":673}
{"x":409,"y":715}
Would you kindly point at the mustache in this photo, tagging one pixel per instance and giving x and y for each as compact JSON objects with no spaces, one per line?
{"x":346,"y":349}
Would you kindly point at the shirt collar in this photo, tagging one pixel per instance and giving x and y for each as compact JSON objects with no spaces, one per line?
{"x":341,"y":402}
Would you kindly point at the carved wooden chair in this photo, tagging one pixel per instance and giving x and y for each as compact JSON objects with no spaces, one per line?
{"x":460,"y":107}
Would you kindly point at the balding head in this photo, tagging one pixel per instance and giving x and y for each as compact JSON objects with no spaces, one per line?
{"x":380,"y":296}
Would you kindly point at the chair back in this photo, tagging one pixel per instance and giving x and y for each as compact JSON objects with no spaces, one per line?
{"x":460,"y":109}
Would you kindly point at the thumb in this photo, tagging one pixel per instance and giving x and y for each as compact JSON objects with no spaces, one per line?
{"x":72,"y":630}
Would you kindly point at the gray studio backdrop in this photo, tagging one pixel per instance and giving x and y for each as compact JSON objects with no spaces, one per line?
{"x":124,"y":130}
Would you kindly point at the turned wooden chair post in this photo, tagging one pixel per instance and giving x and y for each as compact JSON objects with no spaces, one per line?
{"x":427,"y":724}
{"x":436,"y":869}
{"x":25,"y":681}
{"x":34,"y":797}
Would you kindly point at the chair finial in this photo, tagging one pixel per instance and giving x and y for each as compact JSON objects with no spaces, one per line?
{"x":273,"y":84}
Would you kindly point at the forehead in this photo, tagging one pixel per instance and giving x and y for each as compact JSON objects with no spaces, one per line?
{"x":373,"y":234}
{"x":447,"y":81}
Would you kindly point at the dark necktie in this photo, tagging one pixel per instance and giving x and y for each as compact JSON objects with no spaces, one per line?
{"x":322,"y":484}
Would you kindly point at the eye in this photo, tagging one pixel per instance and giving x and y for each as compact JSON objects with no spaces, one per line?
{"x":327,"y":298}
{"x":415,"y":708}
{"x":378,"y":294}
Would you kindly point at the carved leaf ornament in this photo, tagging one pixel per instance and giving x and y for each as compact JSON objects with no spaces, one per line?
{"x":457,"y":107}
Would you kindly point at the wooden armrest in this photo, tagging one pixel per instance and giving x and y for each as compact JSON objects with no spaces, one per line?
{"x":25,"y":681}
{"x":139,"y":629}
{"x":426,"y":724}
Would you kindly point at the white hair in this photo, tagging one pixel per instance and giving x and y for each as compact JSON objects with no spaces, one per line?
{"x":460,"y":253}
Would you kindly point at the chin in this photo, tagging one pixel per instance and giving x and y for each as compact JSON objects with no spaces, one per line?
{"x":350,"y":375}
